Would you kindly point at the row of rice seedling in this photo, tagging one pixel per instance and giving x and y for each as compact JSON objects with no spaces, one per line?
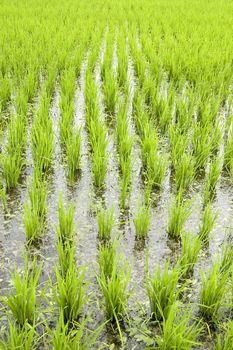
{"x":97,"y":132}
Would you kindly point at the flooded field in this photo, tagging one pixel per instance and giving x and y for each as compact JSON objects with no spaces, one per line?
{"x":116,"y":175}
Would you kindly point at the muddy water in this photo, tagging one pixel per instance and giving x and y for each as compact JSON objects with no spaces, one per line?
{"x":157,"y":246}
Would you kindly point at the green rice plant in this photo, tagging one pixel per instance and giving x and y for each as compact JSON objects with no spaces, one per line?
{"x":42,"y":146}
{"x":212,"y":292}
{"x":99,"y":168}
{"x":208,"y":222}
{"x":226,"y":258}
{"x":211,"y":181}
{"x":179,"y":212}
{"x":113,"y":280}
{"x":110,"y":92}
{"x":105,"y":220}
{"x":21,"y":103}
{"x":125,"y":185}
{"x":142,"y":221}
{"x":19,"y":338}
{"x":149,"y":144}
{"x":66,"y":255}
{"x":225,"y":342}
{"x":162,"y":290}
{"x":115,"y":293}
{"x":177,"y":332}
{"x":228,"y":150}
{"x":23,"y":300}
{"x":201,"y":145}
{"x":34,"y":215}
{"x":107,"y":256}
{"x":69,"y":292}
{"x":140,"y":67}
{"x":184,"y":172}
{"x":38,"y":192}
{"x":66,"y":228}
{"x":183,"y":115}
{"x":73,"y":154}
{"x":11,"y":169}
{"x":156,"y":169}
{"x":33,"y":225}
{"x":191,"y":246}
{"x":79,"y":338}
{"x":165,"y":117}
{"x":5,"y":93}
{"x":3,"y":197}
{"x":178,"y":144}
{"x":216,"y":137}
{"x":16,"y":135}
{"x":66,"y":122}
{"x":122,"y":71}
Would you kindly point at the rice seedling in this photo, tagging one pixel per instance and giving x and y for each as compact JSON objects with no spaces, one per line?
{"x":212,"y":293}
{"x":110,"y":92}
{"x":23,"y":300}
{"x":115,"y":292}
{"x":19,"y":338}
{"x":66,"y":228}
{"x":191,"y":245}
{"x":208,"y":222}
{"x":142,"y":221}
{"x":69,"y":292}
{"x":179,"y":212}
{"x":178,"y":144}
{"x":211,"y":181}
{"x":228,"y":151}
{"x":66,"y":256}
{"x":156,"y":168}
{"x":11,"y":169}
{"x":35,"y":210}
{"x":201,"y":145}
{"x":105,"y":223}
{"x":33,"y":225}
{"x":107,"y":256}
{"x":177,"y":332}
{"x":225,"y":343}
{"x":226,"y":258}
{"x":80,"y":338}
{"x":184,"y":172}
{"x":73,"y":153}
{"x":162,"y":290}
{"x":113,"y":281}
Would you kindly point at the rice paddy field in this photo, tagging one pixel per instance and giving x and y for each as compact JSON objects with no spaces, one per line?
{"x":116,"y":174}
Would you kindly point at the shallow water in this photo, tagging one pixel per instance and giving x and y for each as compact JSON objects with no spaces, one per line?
{"x":157,"y":246}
